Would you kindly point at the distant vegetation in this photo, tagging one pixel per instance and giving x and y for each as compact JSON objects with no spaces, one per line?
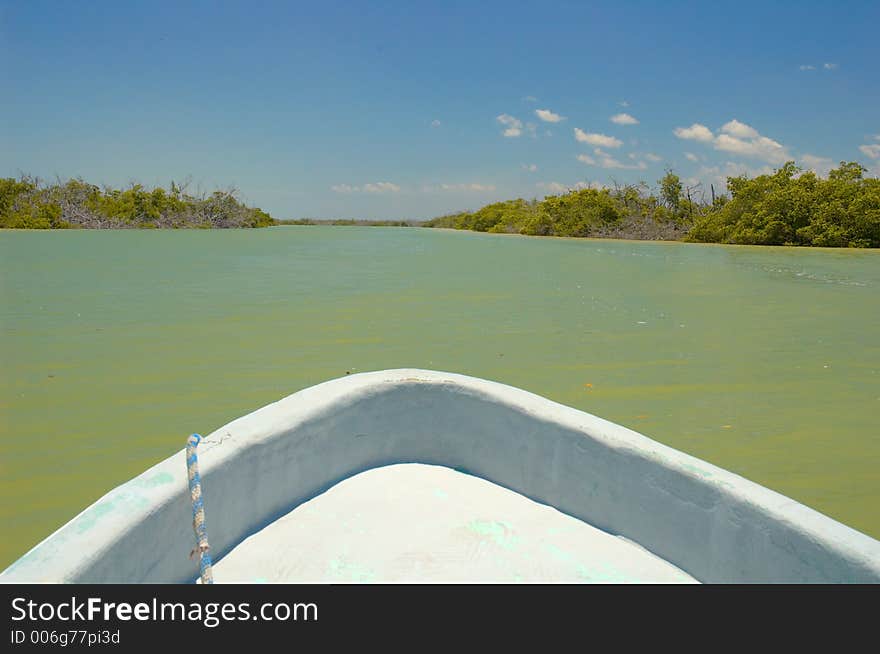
{"x":29,"y":203}
{"x":788,"y":207}
{"x":792,"y":207}
{"x":347,"y":222}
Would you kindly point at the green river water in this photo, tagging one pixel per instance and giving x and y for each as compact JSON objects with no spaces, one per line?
{"x":116,"y":345}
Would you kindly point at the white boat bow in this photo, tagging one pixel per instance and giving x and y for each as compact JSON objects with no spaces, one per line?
{"x":678,"y":518}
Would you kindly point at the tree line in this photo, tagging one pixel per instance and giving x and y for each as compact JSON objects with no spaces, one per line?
{"x":790,"y":206}
{"x":346,"y":222}
{"x":29,"y":203}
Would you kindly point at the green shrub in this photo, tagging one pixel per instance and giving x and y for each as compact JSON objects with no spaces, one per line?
{"x":26,"y":203}
{"x":793,"y":207}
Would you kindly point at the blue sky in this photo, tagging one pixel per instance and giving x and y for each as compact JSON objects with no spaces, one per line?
{"x":411,"y":109}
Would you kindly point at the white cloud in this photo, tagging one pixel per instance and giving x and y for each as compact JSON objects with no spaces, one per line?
{"x":819,"y":165}
{"x":623,"y":103}
{"x":587,"y":159}
{"x":594,"y":184}
{"x":435,"y":123}
{"x":624,"y":119}
{"x":871,"y":150}
{"x":690,"y":156}
{"x":826,"y":66}
{"x":761,"y":147}
{"x":739,"y":130}
{"x":377,"y":187}
{"x":553,"y":187}
{"x":695,"y":132}
{"x":467,"y":187}
{"x":557,"y":187}
{"x":596,"y":139}
{"x":605,"y":160}
{"x":608,"y":161}
{"x":381,"y":187}
{"x":645,"y":156}
{"x":529,"y":167}
{"x":737,"y":138}
{"x":718,"y":175}
{"x":513,"y":126}
{"x":548,"y":116}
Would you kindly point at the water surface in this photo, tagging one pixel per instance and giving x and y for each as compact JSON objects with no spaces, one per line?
{"x":118,"y":344}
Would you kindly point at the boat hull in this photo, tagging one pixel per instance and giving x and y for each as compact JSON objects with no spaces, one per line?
{"x":711,"y":523}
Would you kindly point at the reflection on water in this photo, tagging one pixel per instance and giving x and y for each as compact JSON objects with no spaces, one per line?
{"x":117,"y":344}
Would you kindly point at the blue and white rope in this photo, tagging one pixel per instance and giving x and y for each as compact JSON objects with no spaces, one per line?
{"x":198,"y":506}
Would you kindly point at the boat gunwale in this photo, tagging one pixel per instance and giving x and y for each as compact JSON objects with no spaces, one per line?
{"x":134,"y":502}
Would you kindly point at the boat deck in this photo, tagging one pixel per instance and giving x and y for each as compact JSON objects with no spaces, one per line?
{"x":421,"y":523}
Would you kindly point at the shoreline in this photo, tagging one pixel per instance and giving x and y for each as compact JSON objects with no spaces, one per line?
{"x":444,"y":229}
{"x":649,"y":240}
